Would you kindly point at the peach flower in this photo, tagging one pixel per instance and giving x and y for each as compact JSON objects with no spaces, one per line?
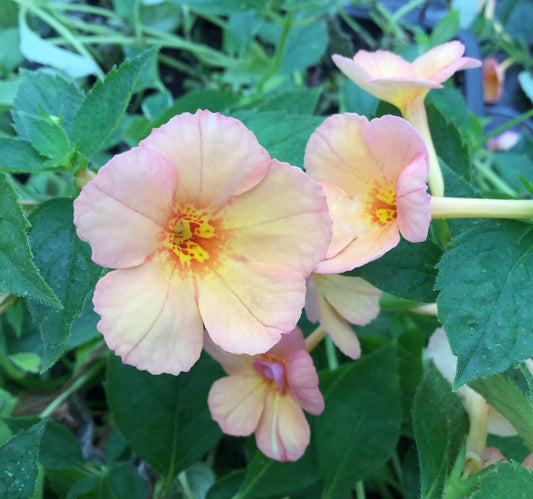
{"x":334,"y":300}
{"x":391,"y":78}
{"x":374,"y":175}
{"x":265,"y":394}
{"x":493,"y":80}
{"x":202,"y":227}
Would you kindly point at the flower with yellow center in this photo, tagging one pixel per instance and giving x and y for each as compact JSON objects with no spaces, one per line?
{"x":203,"y":228}
{"x":374,"y":175}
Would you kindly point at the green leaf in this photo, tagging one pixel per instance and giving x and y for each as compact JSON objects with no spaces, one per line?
{"x":175,"y":428}
{"x":222,"y":7}
{"x":448,"y":142}
{"x":65,"y":261}
{"x":105,"y":104}
{"x":265,"y":477}
{"x":18,"y":463}
{"x":486,"y":298}
{"x":19,"y":156}
{"x":18,"y":274}
{"x":510,"y":394}
{"x":50,"y":92}
{"x":305,"y":47}
{"x":445,"y":29}
{"x":284,"y":136}
{"x":46,"y":135}
{"x":525,"y":79}
{"x":507,"y":480}
{"x":302,"y":101}
{"x":407,"y":271}
{"x":359,"y":429}
{"x":440,"y":425}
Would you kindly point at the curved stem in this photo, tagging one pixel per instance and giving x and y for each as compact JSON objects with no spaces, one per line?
{"x":314,"y":338}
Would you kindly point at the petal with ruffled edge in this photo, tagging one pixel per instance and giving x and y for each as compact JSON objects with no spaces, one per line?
{"x":283,"y":220}
{"x":149,"y":317}
{"x":442,"y":61}
{"x":236,"y":403}
{"x":246,"y":306}
{"x":355,"y":299}
{"x":339,"y":330}
{"x":413,"y":201}
{"x":394,"y":144}
{"x":337,"y":153}
{"x":230,"y":362}
{"x":303,"y":382}
{"x":216,"y":157}
{"x":122,"y":212}
{"x":283,"y":432}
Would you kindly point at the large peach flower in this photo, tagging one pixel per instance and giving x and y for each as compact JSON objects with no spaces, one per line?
{"x":374,"y":175}
{"x":391,"y":78}
{"x":265,"y":394}
{"x":203,"y":226}
{"x":334,"y":300}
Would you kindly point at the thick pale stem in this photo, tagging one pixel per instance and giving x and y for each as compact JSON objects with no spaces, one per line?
{"x":480,"y":208}
{"x":478,"y":414}
{"x":415,"y":113}
{"x":314,"y":338}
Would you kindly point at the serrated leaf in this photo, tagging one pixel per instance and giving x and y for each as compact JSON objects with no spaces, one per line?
{"x":18,"y":463}
{"x":302,"y":101}
{"x":510,"y":480}
{"x":19,"y":156}
{"x":18,"y":274}
{"x":284,"y":136}
{"x":408,"y":271}
{"x":504,"y":393}
{"x":50,"y":92}
{"x":105,"y":104}
{"x":440,"y":424}
{"x":363,"y":412}
{"x":46,"y":136}
{"x":176,"y":428}
{"x":65,"y":261}
{"x":486,"y":298}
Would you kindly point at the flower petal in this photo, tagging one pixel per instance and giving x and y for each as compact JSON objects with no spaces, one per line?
{"x":149,"y":317}
{"x":413,"y":201}
{"x":289,"y":343}
{"x":283,"y":220}
{"x":499,"y":425}
{"x":442,"y":61}
{"x":354,"y":298}
{"x":337,"y":153}
{"x":440,"y":352}
{"x":303,"y":382}
{"x":246,"y":306}
{"x":230,"y":362}
{"x":236,"y":403}
{"x":339,"y":330}
{"x":369,"y":245}
{"x":283,"y":432}
{"x":395,"y":143}
{"x":215,"y":156}
{"x":121,"y":213}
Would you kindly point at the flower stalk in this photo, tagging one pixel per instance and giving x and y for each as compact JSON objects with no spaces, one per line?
{"x":443,"y":207}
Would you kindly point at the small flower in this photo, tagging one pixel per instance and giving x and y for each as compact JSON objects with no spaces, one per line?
{"x":391,"y":78}
{"x":503,"y":142}
{"x":374,"y":175}
{"x":493,"y":80}
{"x":334,"y":300}
{"x":265,"y":394}
{"x":203,"y":226}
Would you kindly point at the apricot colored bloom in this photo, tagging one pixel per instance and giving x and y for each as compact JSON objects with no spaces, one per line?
{"x":503,"y":142}
{"x":334,"y":300}
{"x":265,"y":394}
{"x":374,"y":175}
{"x":202,"y":226}
{"x":391,"y":78}
{"x":493,"y":80}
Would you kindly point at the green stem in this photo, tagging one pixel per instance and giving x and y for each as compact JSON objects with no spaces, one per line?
{"x":402,"y":11}
{"x":331,"y":354}
{"x":89,"y":9}
{"x":496,"y":181}
{"x":442,"y":207}
{"x":360,"y":490}
{"x":505,"y":126}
